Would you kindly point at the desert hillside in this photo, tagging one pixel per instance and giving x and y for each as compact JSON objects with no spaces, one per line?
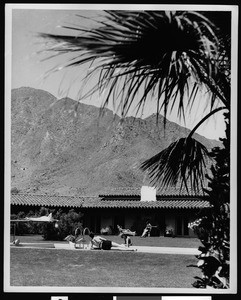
{"x":64,"y":147}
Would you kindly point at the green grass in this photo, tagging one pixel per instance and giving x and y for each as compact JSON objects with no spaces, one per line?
{"x":46,"y":267}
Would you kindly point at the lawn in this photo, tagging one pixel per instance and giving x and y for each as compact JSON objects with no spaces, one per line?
{"x":50,"y":267}
{"x":136,"y":240}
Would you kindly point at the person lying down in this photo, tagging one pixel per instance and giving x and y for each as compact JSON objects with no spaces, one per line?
{"x":98,"y":242}
{"x":127,"y":232}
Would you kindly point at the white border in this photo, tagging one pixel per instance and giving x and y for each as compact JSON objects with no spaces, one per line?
{"x":7,"y":143}
{"x":7,"y":163}
{"x":233,"y":150}
{"x":98,"y":6}
{"x":186,"y":298}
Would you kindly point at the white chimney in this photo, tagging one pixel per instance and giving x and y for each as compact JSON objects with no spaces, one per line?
{"x":148,"y":193}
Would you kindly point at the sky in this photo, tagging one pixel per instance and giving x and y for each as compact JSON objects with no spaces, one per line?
{"x":29,"y":68}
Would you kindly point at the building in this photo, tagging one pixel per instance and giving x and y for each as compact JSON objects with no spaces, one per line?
{"x":130,"y":208}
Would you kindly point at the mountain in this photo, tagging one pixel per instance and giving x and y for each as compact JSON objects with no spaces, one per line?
{"x":65,"y":147}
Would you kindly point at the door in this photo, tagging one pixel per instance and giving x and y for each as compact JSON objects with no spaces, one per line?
{"x":182,"y":225}
{"x":178,"y":225}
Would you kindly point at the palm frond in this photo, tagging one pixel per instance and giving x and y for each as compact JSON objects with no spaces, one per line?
{"x":165,"y":55}
{"x":183,"y":162}
{"x":159,"y":50}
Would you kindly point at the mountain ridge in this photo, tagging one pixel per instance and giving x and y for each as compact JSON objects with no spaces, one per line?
{"x":60,"y":146}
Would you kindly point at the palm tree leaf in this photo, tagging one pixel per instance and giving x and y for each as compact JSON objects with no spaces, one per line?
{"x":183,"y":162}
{"x":133,"y":51}
{"x":128,"y":40}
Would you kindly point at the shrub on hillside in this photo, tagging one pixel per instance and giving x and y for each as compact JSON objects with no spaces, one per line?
{"x":15,"y":190}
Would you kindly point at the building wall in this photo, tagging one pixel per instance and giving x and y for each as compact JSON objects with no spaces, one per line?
{"x":135,"y":218}
{"x":95,"y":219}
{"x":178,"y":222}
{"x":129,"y":219}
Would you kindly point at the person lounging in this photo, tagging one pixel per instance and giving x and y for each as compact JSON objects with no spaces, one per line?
{"x":127,"y":232}
{"x":147,"y":230}
{"x":98,"y":242}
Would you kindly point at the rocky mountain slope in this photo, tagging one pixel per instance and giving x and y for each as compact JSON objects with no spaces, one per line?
{"x":64,"y":147}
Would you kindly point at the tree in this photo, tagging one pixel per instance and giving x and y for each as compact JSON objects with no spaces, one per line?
{"x":131,"y":51}
{"x":213,"y":224}
{"x":169,"y":56}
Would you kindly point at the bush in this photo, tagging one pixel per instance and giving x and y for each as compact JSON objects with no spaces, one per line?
{"x":20,"y":227}
{"x":51,"y":231}
{"x":65,"y":226}
{"x":213,"y":225}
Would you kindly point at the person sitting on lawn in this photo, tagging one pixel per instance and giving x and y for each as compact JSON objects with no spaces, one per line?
{"x":125,"y":234}
{"x":98,"y":242}
{"x":127,"y":239}
{"x":147,"y":230}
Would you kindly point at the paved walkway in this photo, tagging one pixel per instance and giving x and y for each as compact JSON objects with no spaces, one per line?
{"x":143,"y":249}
